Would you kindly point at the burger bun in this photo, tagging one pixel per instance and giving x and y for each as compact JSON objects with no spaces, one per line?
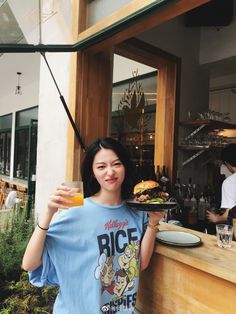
{"x":145,"y":185}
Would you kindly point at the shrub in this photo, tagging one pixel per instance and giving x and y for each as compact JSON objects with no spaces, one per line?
{"x":26,"y":299}
{"x":13,"y":240}
{"x":17,"y":295}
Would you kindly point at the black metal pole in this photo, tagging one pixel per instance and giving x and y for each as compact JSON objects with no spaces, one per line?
{"x":77,"y":134}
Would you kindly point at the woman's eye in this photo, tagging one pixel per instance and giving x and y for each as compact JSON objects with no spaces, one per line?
{"x":117,"y":164}
{"x":101,"y":167}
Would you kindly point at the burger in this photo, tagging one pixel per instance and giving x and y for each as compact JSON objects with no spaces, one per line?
{"x":149,"y":191}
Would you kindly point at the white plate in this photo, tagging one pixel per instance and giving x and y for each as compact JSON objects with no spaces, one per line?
{"x":178,"y":238}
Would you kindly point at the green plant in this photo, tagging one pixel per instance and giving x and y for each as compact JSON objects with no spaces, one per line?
{"x":13,"y":240}
{"x":26,"y":299}
{"x":17,"y":295}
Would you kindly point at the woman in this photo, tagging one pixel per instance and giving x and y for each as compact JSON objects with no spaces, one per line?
{"x":94,"y":252}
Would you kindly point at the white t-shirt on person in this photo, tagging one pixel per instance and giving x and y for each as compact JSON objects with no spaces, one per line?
{"x":228,"y":199}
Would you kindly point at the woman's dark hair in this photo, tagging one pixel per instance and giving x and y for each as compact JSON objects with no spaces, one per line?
{"x":91,"y":185}
{"x":228,"y":154}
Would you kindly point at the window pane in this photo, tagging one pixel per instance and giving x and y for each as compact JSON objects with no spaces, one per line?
{"x":21,"y":153}
{"x":26,"y":143}
{"x":2,"y":144}
{"x":8,"y":153}
{"x":24,"y":117}
{"x":33,"y":150}
{"x":5,"y":122}
{"x":5,"y":152}
{"x":99,"y":9}
{"x":133,"y":120}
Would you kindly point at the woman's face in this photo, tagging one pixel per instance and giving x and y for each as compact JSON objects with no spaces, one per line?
{"x":108,"y":170}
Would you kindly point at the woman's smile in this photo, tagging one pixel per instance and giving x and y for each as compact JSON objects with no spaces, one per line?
{"x":111,"y":180}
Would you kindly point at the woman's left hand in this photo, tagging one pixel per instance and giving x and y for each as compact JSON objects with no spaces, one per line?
{"x":155,"y":217}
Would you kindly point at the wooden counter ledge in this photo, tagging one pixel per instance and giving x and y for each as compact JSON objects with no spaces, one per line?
{"x":183,"y":280}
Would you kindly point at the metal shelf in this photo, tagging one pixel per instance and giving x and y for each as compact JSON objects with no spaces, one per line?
{"x":213,"y":124}
{"x":193,"y":147}
{"x":200,"y":125}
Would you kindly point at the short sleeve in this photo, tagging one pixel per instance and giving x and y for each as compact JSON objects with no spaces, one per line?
{"x":45,"y":274}
{"x":228,"y":193}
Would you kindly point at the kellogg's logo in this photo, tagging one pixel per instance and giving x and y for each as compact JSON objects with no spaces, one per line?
{"x":111,"y":224}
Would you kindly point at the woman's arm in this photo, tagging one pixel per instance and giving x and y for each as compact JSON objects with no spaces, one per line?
{"x":34,"y":250}
{"x":148,"y":241}
{"x":32,"y":258}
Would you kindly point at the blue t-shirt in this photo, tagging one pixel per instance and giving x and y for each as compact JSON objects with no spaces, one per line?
{"x":92,"y":253}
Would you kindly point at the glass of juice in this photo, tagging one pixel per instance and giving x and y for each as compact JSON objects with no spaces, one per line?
{"x":76,"y":187}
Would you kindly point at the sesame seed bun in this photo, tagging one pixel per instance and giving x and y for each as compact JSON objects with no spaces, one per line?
{"x":145,"y":185}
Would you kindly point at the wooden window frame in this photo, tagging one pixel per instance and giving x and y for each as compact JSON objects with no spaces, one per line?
{"x":91,"y":101}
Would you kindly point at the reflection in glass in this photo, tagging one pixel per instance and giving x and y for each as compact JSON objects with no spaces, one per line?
{"x":5,"y":143}
{"x":26,"y":143}
{"x":133,"y":120}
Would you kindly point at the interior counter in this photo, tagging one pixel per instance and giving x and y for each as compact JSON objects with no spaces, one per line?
{"x":184,"y":280}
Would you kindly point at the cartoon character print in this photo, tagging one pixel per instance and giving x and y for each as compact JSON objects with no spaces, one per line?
{"x":123,"y":283}
{"x":118,"y":266}
{"x":105,"y":271}
{"x":123,"y":279}
{"x":129,"y":261}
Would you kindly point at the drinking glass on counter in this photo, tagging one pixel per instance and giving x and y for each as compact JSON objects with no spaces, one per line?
{"x":78,"y":193}
{"x":224,"y":235}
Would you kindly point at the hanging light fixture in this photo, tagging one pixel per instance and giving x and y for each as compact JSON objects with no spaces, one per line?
{"x":18,"y":90}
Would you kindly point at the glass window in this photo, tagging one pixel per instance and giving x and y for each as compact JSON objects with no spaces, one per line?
{"x":5,"y":122}
{"x":133,"y":119}
{"x":5,"y":143}
{"x":23,"y":118}
{"x":26,"y":143}
{"x":100,"y":9}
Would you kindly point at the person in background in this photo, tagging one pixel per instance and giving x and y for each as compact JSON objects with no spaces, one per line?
{"x":81,"y":249}
{"x":228,"y":194}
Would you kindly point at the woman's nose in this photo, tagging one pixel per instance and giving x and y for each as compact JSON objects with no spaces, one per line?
{"x":110,"y":170}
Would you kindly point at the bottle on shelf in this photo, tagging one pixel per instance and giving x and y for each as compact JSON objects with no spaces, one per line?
{"x":187,"y":205}
{"x":164,"y":180}
{"x":177,"y":191}
{"x":202,"y":205}
{"x":190,"y":188}
{"x":158,"y":174}
{"x":192,"y":215}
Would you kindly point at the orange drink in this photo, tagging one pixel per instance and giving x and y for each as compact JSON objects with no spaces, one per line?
{"x":77,"y":199}
{"x":76,"y":188}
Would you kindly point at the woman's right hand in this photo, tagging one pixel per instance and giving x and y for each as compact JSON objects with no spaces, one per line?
{"x":57,"y":199}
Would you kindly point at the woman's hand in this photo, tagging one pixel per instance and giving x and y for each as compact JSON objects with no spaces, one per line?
{"x":58,"y":200}
{"x":155,"y":217}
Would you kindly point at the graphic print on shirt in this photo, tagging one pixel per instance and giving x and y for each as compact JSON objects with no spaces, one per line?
{"x":118,"y":266}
